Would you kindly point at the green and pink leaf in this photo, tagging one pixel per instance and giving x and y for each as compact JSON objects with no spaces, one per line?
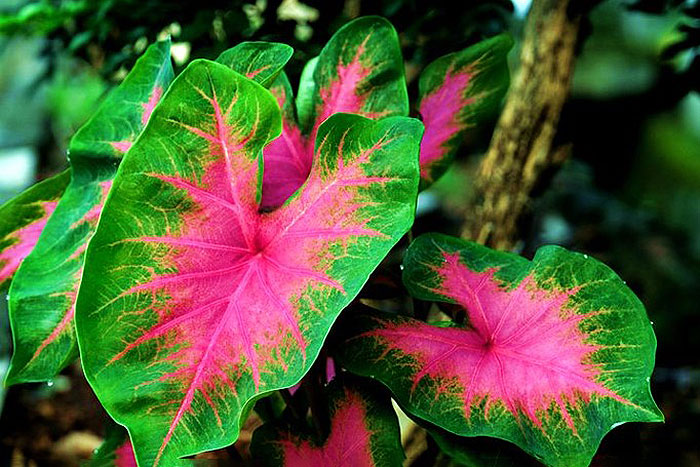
{"x":364,"y":432}
{"x":23,"y":218}
{"x":210,"y":301}
{"x":114,"y":127}
{"x":359,"y":71}
{"x":556,"y":351}
{"x":42,"y":298}
{"x":457,"y":93}
{"x":260,"y":61}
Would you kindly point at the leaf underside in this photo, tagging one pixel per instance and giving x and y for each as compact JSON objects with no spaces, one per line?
{"x":195,"y":301}
{"x":556,"y":351}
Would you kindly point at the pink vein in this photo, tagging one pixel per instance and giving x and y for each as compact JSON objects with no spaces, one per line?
{"x":331,"y":233}
{"x":55,"y":333}
{"x":192,"y":275}
{"x":426,"y":369}
{"x":249,"y":351}
{"x":287,"y":316}
{"x":222,"y":138}
{"x":165,"y":327}
{"x":507,"y":309}
{"x":193,"y":243}
{"x":472,"y":385}
{"x":184,"y":184}
{"x":504,"y":390}
{"x":430,"y":338}
{"x":305,"y":272}
{"x":473,"y":292}
{"x":189,"y":396}
{"x":526,"y":326}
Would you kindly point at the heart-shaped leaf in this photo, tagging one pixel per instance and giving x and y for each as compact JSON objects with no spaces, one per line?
{"x":457,"y":92}
{"x":22,"y":219}
{"x":42,"y":296}
{"x":194,"y":302}
{"x":364,"y":432}
{"x":259,"y":61}
{"x":360,"y":70}
{"x":556,"y":352}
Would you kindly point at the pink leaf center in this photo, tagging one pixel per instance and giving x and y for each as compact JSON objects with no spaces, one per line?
{"x":524,"y":351}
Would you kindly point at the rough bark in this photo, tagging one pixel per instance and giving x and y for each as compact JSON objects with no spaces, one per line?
{"x":521,"y":147}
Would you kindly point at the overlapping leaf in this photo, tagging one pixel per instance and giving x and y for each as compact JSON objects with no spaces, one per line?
{"x":259,"y":61}
{"x":556,"y":352}
{"x":364,"y":432}
{"x":42,"y":298}
{"x":42,"y":303}
{"x":457,"y":92}
{"x":116,"y":450}
{"x":359,"y":71}
{"x":22,"y":220}
{"x":194,"y":302}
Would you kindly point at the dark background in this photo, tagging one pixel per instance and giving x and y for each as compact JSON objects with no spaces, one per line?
{"x":629,"y":195}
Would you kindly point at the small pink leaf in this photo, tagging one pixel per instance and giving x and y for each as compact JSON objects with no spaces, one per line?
{"x":363,"y":432}
{"x":359,"y":71}
{"x":287,"y":158}
{"x":555,"y":352}
{"x":457,"y":92}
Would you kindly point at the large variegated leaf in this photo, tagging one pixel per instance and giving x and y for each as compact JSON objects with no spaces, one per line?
{"x":364,"y":432}
{"x":42,"y":304}
{"x":360,"y":70}
{"x":42,"y":298}
{"x":194,"y":302}
{"x":556,"y":351}
{"x":457,"y":92}
{"x":259,"y":61}
{"x":22,"y":220}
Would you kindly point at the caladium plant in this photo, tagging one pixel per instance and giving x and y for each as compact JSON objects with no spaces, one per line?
{"x":212,"y":228}
{"x":554,"y":354}
{"x":42,"y":305}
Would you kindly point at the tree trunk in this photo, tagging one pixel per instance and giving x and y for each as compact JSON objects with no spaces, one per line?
{"x":522,"y":142}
